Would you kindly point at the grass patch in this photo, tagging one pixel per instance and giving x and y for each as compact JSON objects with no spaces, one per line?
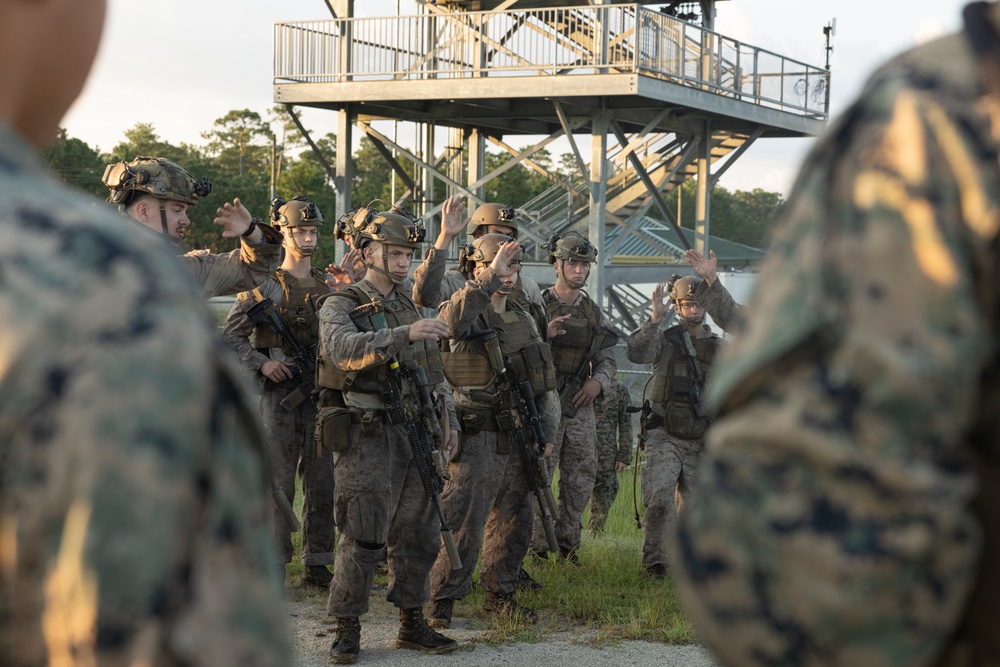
{"x":607,"y":599}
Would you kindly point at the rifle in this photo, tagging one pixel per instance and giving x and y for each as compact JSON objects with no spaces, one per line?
{"x":694,"y":389}
{"x":408,"y":403}
{"x":645,"y":412}
{"x":516,"y":413}
{"x":285,"y":509}
{"x":571,"y":384}
{"x":304,"y":369}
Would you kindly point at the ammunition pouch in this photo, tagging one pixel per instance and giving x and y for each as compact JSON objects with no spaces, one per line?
{"x":568,"y":386}
{"x":681,"y":420}
{"x":479,"y":420}
{"x":534,"y":364}
{"x":476,"y":420}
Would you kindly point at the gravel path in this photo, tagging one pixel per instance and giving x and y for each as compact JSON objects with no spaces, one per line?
{"x":312,"y":633}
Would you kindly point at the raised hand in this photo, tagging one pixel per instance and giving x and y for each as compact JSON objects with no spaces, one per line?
{"x":660,"y":307}
{"x":233,"y":218}
{"x":505,"y":264}
{"x":453,"y":219}
{"x":704,"y":266}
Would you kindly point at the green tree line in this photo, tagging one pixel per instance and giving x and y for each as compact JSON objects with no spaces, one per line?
{"x":241,"y":149}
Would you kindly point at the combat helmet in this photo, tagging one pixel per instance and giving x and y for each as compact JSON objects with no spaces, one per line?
{"x":683,"y":289}
{"x":395,"y":227}
{"x":493,"y":214}
{"x":350,"y":224}
{"x":679,"y":288}
{"x":153,"y":175}
{"x":572,"y":246}
{"x":482,"y":251}
{"x":299,"y":212}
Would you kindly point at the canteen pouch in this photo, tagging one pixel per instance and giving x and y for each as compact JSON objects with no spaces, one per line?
{"x":334,"y":429}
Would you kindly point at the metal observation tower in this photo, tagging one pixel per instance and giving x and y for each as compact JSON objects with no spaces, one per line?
{"x":661,"y":97}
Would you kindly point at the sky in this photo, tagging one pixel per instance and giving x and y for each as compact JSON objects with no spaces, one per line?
{"x":182,"y":64}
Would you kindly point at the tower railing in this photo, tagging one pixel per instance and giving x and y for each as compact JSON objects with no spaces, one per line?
{"x":607,"y":39}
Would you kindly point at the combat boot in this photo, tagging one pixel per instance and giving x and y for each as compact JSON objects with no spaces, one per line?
{"x":414,"y":633}
{"x":440,"y":616}
{"x":570,"y":556}
{"x":525,"y":582}
{"x":503,"y":604}
{"x":347,"y":645}
{"x":317,"y":575}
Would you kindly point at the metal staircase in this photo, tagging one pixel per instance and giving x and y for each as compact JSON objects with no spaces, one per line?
{"x":669,"y":162}
{"x":663,"y":101}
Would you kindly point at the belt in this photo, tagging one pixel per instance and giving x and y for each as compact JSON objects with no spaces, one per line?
{"x":484,"y":418}
{"x":367,"y":416}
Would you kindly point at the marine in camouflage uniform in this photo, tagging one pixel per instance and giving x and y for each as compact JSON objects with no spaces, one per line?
{"x":487,"y":498}
{"x":379,"y":503}
{"x":154,"y":194}
{"x":289,"y":414}
{"x":582,"y":323}
{"x":676,"y":426}
{"x":850,"y":505}
{"x":614,"y":450}
{"x":132,"y":505}
{"x":433,"y":284}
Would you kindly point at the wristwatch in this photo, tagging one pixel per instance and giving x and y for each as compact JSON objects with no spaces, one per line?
{"x":253,"y":225}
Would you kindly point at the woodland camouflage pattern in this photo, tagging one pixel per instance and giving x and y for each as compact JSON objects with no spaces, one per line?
{"x":380,"y":505}
{"x":670,"y":461}
{"x":132,"y":506}
{"x":575,"y":453}
{"x":289,"y":438}
{"x":614,"y":444}
{"x":487,"y":499}
{"x":860,"y":405}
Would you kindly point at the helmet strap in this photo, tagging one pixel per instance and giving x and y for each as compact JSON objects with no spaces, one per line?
{"x":291,"y":242}
{"x":569,"y":283}
{"x":384,"y":269}
{"x":163,"y":217}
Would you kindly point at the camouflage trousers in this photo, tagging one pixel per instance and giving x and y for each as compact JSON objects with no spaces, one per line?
{"x":488,"y":504}
{"x":576,"y":455}
{"x":380,"y":505}
{"x":605,"y":492}
{"x":669,"y":477}
{"x":291,"y":448}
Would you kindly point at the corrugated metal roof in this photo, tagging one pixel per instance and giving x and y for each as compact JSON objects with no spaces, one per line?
{"x":727,"y":252}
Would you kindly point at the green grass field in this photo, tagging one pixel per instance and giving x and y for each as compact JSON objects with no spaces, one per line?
{"x":608,"y":596}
